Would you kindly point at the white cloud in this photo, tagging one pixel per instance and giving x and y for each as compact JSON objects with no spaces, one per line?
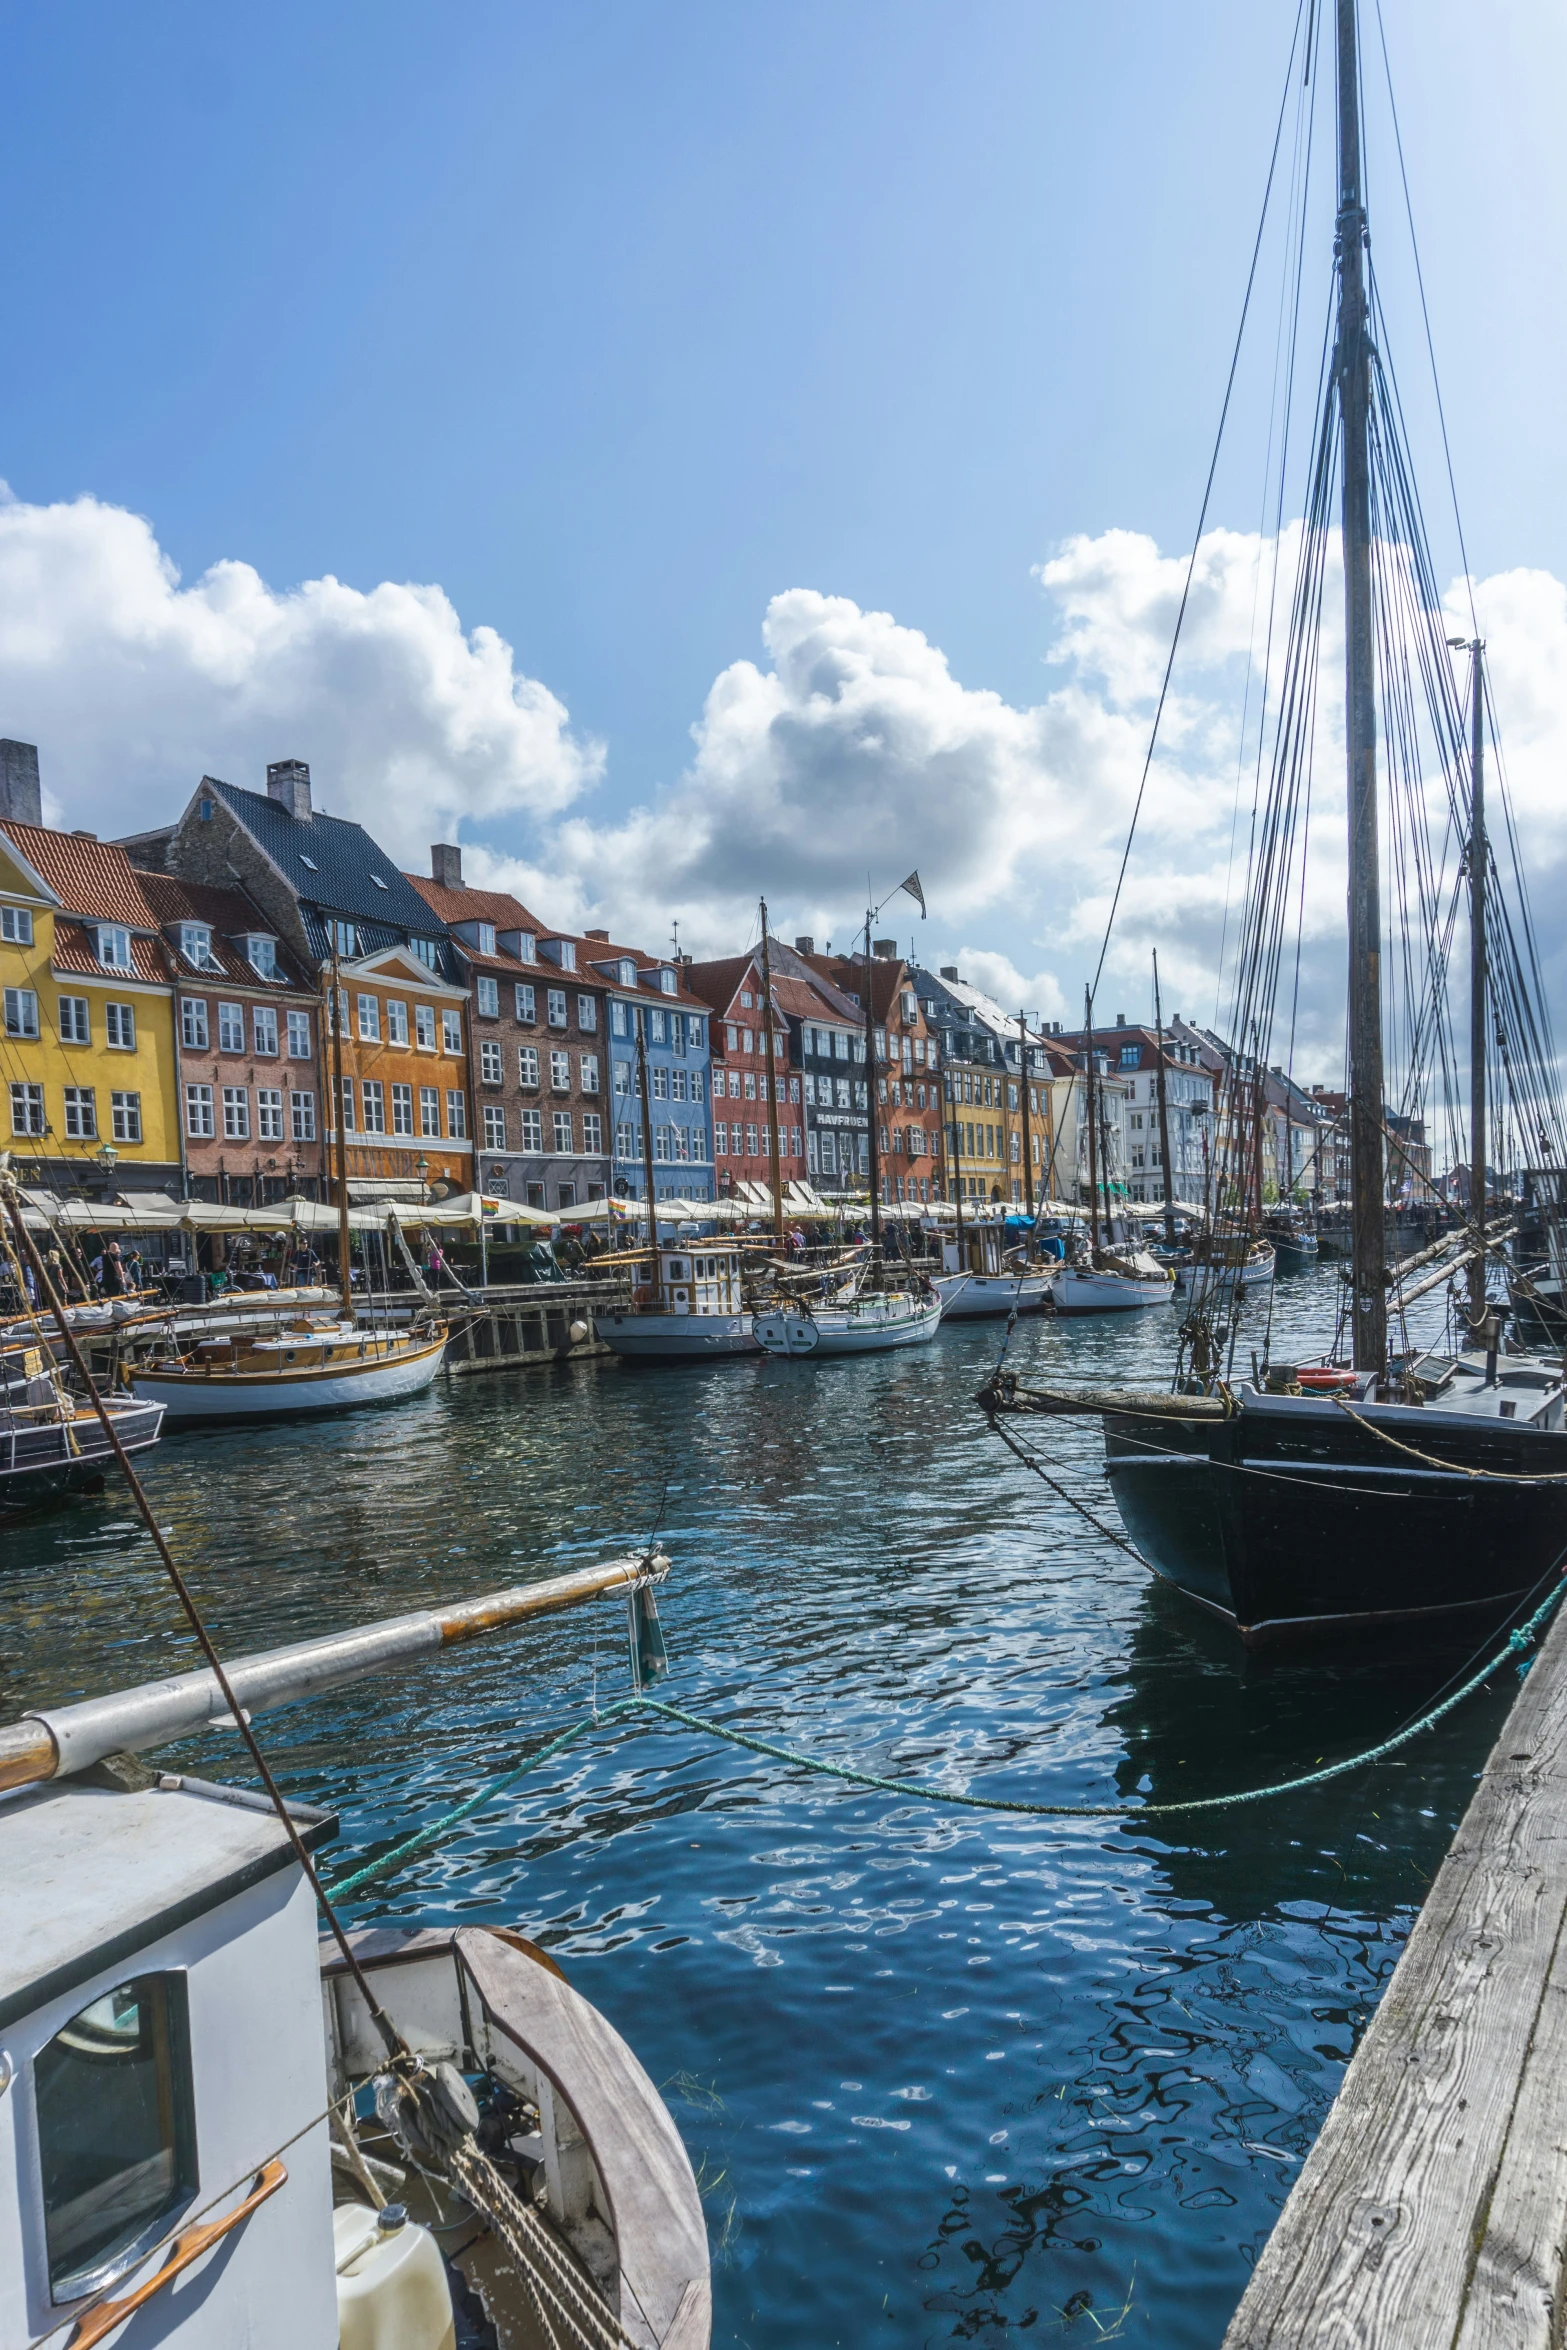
{"x":133,"y":685}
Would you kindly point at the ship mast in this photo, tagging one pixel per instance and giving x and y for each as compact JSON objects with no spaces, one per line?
{"x":1477,"y":980}
{"x":345,"y":1273}
{"x":1353,"y":363}
{"x":773,"y":1167}
{"x":870,"y":1095}
{"x":1164,"y":1112}
{"x":1093,"y":1142}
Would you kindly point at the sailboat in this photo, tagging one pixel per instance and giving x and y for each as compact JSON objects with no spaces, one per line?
{"x":1105,"y":1277}
{"x":316,"y":1363}
{"x":874,"y":1309}
{"x":1402,"y":1487}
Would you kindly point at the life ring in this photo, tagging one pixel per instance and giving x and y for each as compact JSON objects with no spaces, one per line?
{"x":1333,"y":1381}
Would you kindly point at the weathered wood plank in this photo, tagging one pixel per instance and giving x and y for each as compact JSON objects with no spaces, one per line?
{"x":1387,"y":2238}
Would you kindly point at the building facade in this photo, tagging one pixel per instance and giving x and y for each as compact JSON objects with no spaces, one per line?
{"x":908,"y":1106}
{"x":732,"y":991}
{"x":999,"y":1133}
{"x":247,"y":1040}
{"x":90,"y":1065}
{"x":656,"y":1022}
{"x":342,"y":911}
{"x":1130,"y":1056}
{"x":538,"y":1026}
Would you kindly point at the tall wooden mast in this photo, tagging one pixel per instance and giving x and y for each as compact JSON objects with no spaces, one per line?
{"x":639,"y":1015}
{"x":1028,"y":1165}
{"x":1477,"y":976}
{"x":870,"y":1095}
{"x":1093,"y":1139}
{"x":773,"y":1168}
{"x":345,"y":1260}
{"x":1366,"y":1093}
{"x":1164,"y":1111}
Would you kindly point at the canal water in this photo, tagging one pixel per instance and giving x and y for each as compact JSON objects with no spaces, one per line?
{"x":942,"y":2074}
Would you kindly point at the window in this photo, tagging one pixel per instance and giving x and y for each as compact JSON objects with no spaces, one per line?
{"x":626,"y":1143}
{"x":74,"y":1028}
{"x":489,"y":995}
{"x":734,"y":1082}
{"x":429,"y":1112}
{"x":236,"y":1114}
{"x":81,"y":1113}
{"x":619,"y":1019}
{"x":451,"y":1031}
{"x":587,"y":1014}
{"x":560,"y":1072}
{"x":370,"y":1019}
{"x":16,"y":926}
{"x":750,"y":1142}
{"x":303,"y":1116}
{"x":114,"y":947}
{"x":563,"y":1141}
{"x":379,"y":883}
{"x":628,"y":974}
{"x":490,"y":1069}
{"x":592,"y":1132}
{"x":424,"y":1027}
{"x":198,"y":1112}
{"x":456,"y":1116}
{"x":345,"y":938}
{"x":396,"y":1022}
{"x":486,"y":941}
{"x":527,"y":947}
{"x":588,"y":1063}
{"x":622,"y":1071}
{"x":428,"y":951}
{"x":125,"y":1116}
{"x":27,"y":1109}
{"x":657,"y":1024}
{"x":698,"y":1088}
{"x":533,"y":1130}
{"x":494,"y":1127}
{"x":269,"y":1113}
{"x":668,"y":982}
{"x":527,"y":1064}
{"x":116,"y":2129}
{"x":565,"y":954}
{"x":231,"y":1028}
{"x":526,"y":1002}
{"x":1130,"y":1056}
{"x":661,"y":1143}
{"x":402,"y":1109}
{"x":721,"y":1140}
{"x":346,"y":1096}
{"x":374,"y":1093}
{"x":661,"y":1085}
{"x":555,"y":998}
{"x":750,"y":1085}
{"x":196,"y":946}
{"x":299,"y":1036}
{"x":261,"y":955}
{"x":264,"y":1027}
{"x":193,"y":1023}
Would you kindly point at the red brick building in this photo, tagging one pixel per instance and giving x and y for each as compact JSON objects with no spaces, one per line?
{"x":741,"y":1144}
{"x":908,"y":1088}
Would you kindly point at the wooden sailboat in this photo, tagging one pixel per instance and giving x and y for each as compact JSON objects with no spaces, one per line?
{"x":1110,"y":1278}
{"x":320,"y":1362}
{"x":1347,"y":1495}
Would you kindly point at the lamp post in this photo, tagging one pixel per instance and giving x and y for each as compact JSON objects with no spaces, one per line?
{"x":106,"y":1157}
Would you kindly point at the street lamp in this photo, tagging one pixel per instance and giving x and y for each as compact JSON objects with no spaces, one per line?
{"x":422,"y":1170}
{"x":106,"y":1155}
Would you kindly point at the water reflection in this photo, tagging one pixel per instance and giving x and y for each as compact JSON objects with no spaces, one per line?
{"x":941,"y":2072}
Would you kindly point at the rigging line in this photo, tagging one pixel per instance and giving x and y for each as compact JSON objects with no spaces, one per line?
{"x":1213,"y":467}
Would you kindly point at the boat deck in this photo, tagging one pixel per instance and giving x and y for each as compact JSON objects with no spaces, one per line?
{"x":1433,"y":2208}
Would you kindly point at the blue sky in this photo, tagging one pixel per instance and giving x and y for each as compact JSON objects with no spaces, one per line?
{"x":618,"y":323}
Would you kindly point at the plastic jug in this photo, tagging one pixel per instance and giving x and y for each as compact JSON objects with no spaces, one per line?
{"x":392,"y":2292}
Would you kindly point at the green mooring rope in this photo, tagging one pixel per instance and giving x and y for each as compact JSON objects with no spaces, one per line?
{"x":1517,"y":1641}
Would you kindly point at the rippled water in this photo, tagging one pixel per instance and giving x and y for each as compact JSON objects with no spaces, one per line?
{"x":940,"y":2073}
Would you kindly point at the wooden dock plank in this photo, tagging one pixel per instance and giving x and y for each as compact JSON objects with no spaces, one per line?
{"x":1425,"y":2206}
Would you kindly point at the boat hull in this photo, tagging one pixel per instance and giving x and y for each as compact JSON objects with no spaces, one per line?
{"x":676,"y":1338}
{"x":839,"y":1330}
{"x":1076,"y":1290}
{"x":41,"y":1464}
{"x":1293,"y":1521}
{"x":290,"y":1394}
{"x":967,"y":1297}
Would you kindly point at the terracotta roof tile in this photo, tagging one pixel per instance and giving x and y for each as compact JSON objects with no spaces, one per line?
{"x":226,"y":912}
{"x":94,"y":878}
{"x":75,"y":952}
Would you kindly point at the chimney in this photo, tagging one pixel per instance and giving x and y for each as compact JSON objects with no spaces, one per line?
{"x":1120,"y":1019}
{"x":20,"y":797}
{"x":288,"y":782}
{"x":601,"y":935}
{"x":805,"y":946}
{"x":949,"y":970}
{"x":446,"y":864}
{"x":884,"y":946}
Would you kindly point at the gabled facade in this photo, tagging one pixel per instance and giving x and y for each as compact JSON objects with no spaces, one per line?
{"x":336,"y":901}
{"x":90,"y":1068}
{"x":651,"y":999}
{"x":247,"y":1037}
{"x":1000,"y":1131}
{"x":538,"y":1023}
{"x":1130,"y":1058}
{"x":732,"y":991}
{"x":908,"y":1104}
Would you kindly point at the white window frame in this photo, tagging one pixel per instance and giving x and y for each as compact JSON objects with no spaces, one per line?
{"x":16,"y":928}
{"x":269,"y":1113}
{"x":236,"y":1113}
{"x":27,"y":1107}
{"x":199,"y":1120}
{"x":299,"y":1046}
{"x":231,"y":1028}
{"x":302,"y":1116}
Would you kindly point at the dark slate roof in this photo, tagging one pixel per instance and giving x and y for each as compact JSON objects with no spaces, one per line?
{"x":345,"y":858}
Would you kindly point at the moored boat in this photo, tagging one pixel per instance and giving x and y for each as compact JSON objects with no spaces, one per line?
{"x":980,"y":1277}
{"x":52,"y":1440}
{"x":319,"y":1365}
{"x":1227,"y":1265}
{"x":870,"y":1322}
{"x":1111,"y":1281}
{"x":693,"y":1308}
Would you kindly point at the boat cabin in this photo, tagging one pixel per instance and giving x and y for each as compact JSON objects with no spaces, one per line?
{"x":705,"y":1279}
{"x":162,"y":2073}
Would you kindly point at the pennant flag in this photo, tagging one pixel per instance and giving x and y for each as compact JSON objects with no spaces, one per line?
{"x":912,"y":885}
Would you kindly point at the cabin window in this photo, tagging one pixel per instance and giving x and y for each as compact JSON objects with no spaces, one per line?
{"x":116,"y":2130}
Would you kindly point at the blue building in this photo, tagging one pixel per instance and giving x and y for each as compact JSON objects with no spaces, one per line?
{"x":676,"y":1050}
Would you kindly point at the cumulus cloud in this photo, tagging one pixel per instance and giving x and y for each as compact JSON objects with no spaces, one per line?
{"x":133,"y":685}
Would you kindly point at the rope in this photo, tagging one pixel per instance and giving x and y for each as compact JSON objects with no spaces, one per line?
{"x":1070,"y":1499}
{"x":1517,"y":1641}
{"x":1453,"y":1468}
{"x":564,"y":2302}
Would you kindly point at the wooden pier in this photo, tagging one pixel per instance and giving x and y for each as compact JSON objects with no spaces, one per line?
{"x":1432,"y":2210}
{"x":503,"y":1329}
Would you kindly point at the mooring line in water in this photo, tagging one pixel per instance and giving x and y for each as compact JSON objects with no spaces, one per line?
{"x":1517,"y":1642}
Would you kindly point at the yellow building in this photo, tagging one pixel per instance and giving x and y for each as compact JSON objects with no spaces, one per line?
{"x":91,"y":1074}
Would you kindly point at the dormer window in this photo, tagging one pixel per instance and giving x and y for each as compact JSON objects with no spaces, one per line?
{"x":379,"y":883}
{"x":114,"y":947}
{"x":196,"y":946}
{"x":486,"y":938}
{"x":628,"y":974}
{"x":669,"y":982}
{"x":309,"y":862}
{"x":261,"y":955}
{"x":345,"y":938}
{"x":562,"y":951}
{"x":428,"y":952}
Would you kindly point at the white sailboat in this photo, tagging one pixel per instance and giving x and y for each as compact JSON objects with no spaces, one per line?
{"x":868,"y":1322}
{"x":976,"y":1280}
{"x":321,"y":1365}
{"x":692,"y":1310}
{"x":1112,"y":1281}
